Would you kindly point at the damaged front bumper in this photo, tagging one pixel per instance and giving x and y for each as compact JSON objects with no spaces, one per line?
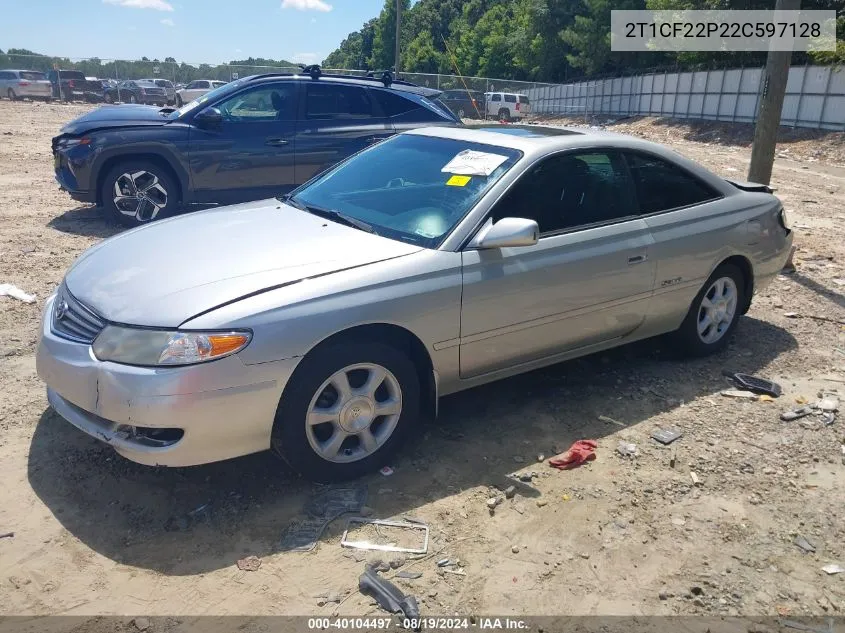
{"x":162,"y":416}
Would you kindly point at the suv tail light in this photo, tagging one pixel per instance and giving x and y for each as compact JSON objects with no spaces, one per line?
{"x":23,"y":83}
{"x":70,"y":83}
{"x":517,"y":106}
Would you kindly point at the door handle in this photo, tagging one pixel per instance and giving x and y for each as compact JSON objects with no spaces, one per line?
{"x":276,"y":142}
{"x":636,"y":259}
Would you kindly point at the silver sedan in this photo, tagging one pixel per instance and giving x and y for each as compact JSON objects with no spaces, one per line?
{"x":324,"y":324}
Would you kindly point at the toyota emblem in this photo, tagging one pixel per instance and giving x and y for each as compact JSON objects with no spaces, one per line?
{"x":61,"y":310}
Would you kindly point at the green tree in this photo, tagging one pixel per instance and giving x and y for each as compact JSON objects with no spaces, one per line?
{"x":384,"y":40}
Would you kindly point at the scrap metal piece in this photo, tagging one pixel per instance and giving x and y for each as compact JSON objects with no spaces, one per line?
{"x":422,"y":527}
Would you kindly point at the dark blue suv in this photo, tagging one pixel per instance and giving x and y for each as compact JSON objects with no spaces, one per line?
{"x":253,"y":138}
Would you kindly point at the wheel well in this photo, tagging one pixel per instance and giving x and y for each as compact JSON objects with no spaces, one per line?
{"x":157,"y":160}
{"x":748,"y":277}
{"x":401,"y":339}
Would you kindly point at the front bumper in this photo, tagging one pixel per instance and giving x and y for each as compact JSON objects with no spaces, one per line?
{"x":223,"y":408}
{"x":70,"y":173}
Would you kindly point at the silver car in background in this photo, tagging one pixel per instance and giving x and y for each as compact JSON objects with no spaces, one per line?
{"x":325,"y":323}
{"x":17,"y":84}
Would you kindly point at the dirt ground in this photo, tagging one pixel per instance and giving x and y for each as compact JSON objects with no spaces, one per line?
{"x":96,"y":534}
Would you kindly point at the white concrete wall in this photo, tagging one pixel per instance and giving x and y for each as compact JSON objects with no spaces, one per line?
{"x":815,"y":96}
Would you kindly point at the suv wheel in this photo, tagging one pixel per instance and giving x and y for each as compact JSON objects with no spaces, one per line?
{"x":346,"y":410}
{"x":108,"y":98}
{"x":138,"y":192}
{"x":12,"y":96}
{"x":713,"y":314}
{"x":461,"y":113}
{"x":504,"y":114}
{"x":132,"y":99}
{"x":179,"y":103}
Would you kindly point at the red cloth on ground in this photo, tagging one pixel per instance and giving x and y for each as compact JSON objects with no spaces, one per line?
{"x":579,"y":453}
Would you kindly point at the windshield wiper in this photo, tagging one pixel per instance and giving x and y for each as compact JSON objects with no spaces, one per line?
{"x":331,"y":214}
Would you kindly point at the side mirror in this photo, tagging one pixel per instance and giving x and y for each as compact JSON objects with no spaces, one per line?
{"x":209,"y":118}
{"x":507,"y":233}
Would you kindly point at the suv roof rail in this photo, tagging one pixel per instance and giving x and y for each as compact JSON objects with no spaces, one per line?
{"x":385,"y":77}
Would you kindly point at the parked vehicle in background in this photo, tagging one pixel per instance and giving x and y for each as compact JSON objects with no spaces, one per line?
{"x":253,"y":138}
{"x":436,"y":261}
{"x":196,"y":89}
{"x":69,"y":85}
{"x":17,"y":84}
{"x":137,"y":91}
{"x":169,"y":89}
{"x":507,"y":106}
{"x":465,"y":104}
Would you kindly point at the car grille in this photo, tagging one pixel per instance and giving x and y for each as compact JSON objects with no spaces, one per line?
{"x":72,"y":320}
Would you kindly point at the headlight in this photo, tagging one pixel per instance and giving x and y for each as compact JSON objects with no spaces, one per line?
{"x":784,"y":219}
{"x":132,"y":346}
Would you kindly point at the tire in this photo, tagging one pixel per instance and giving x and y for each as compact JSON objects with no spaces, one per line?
{"x":12,"y":96}
{"x":160,"y":189}
{"x":108,"y":98}
{"x":504,"y":114}
{"x":133,"y":99}
{"x":295,"y":441}
{"x":690,"y":338}
{"x":461,"y":113}
{"x":179,"y":103}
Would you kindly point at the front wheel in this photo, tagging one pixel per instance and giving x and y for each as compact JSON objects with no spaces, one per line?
{"x":346,"y":410}
{"x":133,"y":99}
{"x":179,"y":103}
{"x":714,"y":313}
{"x":138,"y":192}
{"x":108,"y":98}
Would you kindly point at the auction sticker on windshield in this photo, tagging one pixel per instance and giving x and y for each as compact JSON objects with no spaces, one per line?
{"x":458,"y":181}
{"x":472,"y":163}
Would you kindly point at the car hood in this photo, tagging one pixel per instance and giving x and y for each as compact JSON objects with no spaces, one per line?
{"x":110,"y":116}
{"x":165,"y":273}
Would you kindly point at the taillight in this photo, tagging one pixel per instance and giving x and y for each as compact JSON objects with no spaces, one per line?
{"x":70,"y":83}
{"x":517,"y":106}
{"x":23,"y":83}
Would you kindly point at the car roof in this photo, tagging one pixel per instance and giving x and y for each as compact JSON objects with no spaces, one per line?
{"x":21,"y":70}
{"x":371,"y":82}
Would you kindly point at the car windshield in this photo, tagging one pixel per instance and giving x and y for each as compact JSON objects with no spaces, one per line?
{"x":208,"y":96}
{"x":411,"y":188}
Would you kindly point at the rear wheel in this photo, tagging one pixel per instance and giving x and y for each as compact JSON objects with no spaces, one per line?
{"x":108,"y":98}
{"x":139,"y":192}
{"x":714,"y":313}
{"x":504,"y":114}
{"x":461,"y":113}
{"x":346,"y":410}
{"x":12,"y":96}
{"x":133,"y":99}
{"x":179,"y":103}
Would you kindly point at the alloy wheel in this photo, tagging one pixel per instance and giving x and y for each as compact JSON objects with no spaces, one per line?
{"x":717,"y":310}
{"x":140,"y":195}
{"x":353,"y":413}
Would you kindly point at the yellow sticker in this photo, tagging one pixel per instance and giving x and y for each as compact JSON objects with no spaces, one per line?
{"x":458,"y":181}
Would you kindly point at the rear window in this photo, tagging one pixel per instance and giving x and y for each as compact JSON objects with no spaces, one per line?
{"x":217,"y":84}
{"x":523,"y":99}
{"x":163,"y":83}
{"x":392,"y":103}
{"x":510,"y":98}
{"x":72,"y":74}
{"x":33,"y":76}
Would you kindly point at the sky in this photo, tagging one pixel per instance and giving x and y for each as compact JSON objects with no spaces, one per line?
{"x":192,"y":31}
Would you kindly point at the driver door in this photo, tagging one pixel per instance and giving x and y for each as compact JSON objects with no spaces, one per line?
{"x":251,"y":155}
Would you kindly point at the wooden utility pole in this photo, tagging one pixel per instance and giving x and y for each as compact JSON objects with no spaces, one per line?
{"x":773,"y":89}
{"x":398,"y":22}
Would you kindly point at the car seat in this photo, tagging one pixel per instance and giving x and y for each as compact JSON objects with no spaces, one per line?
{"x":279,"y":102}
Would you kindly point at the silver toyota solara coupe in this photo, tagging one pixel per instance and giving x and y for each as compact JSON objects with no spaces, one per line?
{"x":324,"y":324}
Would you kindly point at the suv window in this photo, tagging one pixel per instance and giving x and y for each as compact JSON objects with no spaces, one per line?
{"x":163,"y":83}
{"x":6,"y":75}
{"x":496,"y":98}
{"x":523,"y":99}
{"x":661,"y":186}
{"x":333,"y":101}
{"x":571,"y":190}
{"x":510,"y":98}
{"x":273,"y":102}
{"x":393,"y":104}
{"x":72,"y":74}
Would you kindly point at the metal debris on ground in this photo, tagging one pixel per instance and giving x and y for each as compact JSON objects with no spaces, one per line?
{"x":302,"y":534}
{"x":626,"y":449}
{"x":666,"y":436}
{"x":755,"y":384}
{"x":794,"y":414}
{"x":454,"y":572}
{"x":250,"y":563}
{"x":388,"y":596}
{"x":696,"y":480}
{"x":828,"y":403}
{"x":409,"y":575}
{"x":833,"y":568}
{"x":420,"y":528}
{"x":443,"y":562}
{"x":11,"y":290}
{"x":804,"y":544}
{"x":828,"y":418}
{"x":609,"y":420}
{"x":7,"y":535}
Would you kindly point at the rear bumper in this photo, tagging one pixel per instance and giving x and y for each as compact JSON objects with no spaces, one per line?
{"x":34,"y":92}
{"x":217,"y":410}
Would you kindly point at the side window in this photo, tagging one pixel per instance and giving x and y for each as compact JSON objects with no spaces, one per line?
{"x":191,"y":86}
{"x":662,"y":186}
{"x":510,"y":98}
{"x":274,"y":102}
{"x":571,"y":190}
{"x":333,"y":101}
{"x":203,"y":85}
{"x":5,"y":75}
{"x":392,"y":103}
{"x":496,"y":98}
